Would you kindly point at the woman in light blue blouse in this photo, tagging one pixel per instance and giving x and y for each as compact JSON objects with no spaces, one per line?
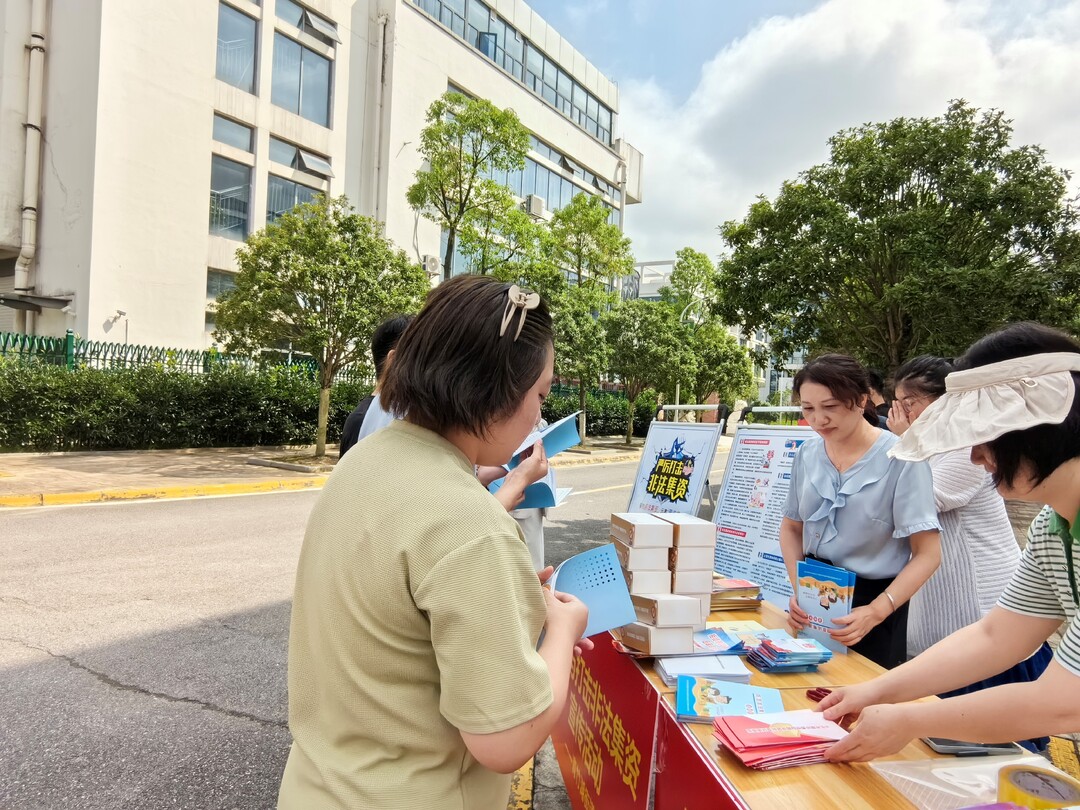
{"x":851,"y":505}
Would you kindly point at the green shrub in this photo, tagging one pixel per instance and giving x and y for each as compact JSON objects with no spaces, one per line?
{"x":644,"y":410}
{"x":605,"y":412}
{"x":47,"y":407}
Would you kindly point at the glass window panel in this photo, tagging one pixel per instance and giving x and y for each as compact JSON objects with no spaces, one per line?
{"x":315,"y":164}
{"x":285,"y":83}
{"x":486,"y":44}
{"x":282,"y":152}
{"x":592,"y":107}
{"x":534,"y":60}
{"x":579,"y":96}
{"x":230,"y":193}
{"x":528,"y":184}
{"x":289,"y":11}
{"x":319,"y":27}
{"x":218,"y":282}
{"x":514,"y":181}
{"x":283,"y":195}
{"x":513,"y":44}
{"x":551,"y":74}
{"x":236,"y":48}
{"x":232,"y":133}
{"x":554,"y":193}
{"x":456,"y":6}
{"x":315,"y":88}
{"x":479,"y":16}
{"x":566,"y":85}
{"x":549,"y":94}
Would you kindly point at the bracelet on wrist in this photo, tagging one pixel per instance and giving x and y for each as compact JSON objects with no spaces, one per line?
{"x":891,"y":600}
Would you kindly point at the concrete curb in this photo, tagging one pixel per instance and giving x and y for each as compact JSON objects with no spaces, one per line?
{"x":159,"y":493}
{"x":234,"y":488}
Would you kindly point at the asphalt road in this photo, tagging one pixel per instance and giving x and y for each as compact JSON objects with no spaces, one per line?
{"x":142,"y":644}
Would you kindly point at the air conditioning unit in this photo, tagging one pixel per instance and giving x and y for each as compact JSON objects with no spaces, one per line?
{"x":432,"y":265}
{"x":534,"y":206}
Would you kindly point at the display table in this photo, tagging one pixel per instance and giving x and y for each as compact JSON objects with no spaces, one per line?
{"x":619,"y":741}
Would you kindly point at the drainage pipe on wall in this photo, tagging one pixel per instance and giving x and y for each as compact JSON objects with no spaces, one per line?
{"x":32,"y":159}
{"x":379,"y":90}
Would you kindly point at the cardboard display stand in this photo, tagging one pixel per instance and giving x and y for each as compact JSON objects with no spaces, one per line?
{"x":751,"y":506}
{"x":674,"y":467}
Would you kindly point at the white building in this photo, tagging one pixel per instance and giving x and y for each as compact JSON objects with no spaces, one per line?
{"x":170,"y":131}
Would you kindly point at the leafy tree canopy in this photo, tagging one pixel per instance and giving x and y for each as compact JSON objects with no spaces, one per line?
{"x":583,"y":242}
{"x":919,"y":235}
{"x":320,"y":279}
{"x":649,"y":346}
{"x":464,"y":141}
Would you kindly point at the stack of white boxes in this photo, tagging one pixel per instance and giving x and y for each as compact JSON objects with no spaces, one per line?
{"x":666,"y":621}
{"x":692,"y":557}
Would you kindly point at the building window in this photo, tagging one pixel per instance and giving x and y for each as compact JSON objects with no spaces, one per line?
{"x":301,"y":81}
{"x":294,"y":157}
{"x":232,"y":133}
{"x":218,"y":282}
{"x":282,"y":196}
{"x":236,"y":48}
{"x":307,"y":21}
{"x":230,"y":194}
{"x":474,"y":22}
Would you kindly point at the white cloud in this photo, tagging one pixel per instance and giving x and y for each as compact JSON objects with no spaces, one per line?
{"x":766,"y":103}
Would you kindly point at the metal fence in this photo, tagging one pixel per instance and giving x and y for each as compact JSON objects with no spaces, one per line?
{"x":73,"y":352}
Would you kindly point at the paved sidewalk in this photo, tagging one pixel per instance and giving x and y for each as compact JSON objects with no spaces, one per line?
{"x":36,"y":479}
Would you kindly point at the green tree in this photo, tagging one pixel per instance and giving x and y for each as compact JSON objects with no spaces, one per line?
{"x":320,"y":279}
{"x":723,"y":367}
{"x":464,"y":141}
{"x":649,"y":346}
{"x":583,"y":242}
{"x":919,"y":235}
{"x":692,"y":280}
{"x":581,"y":347}
{"x":593,"y":253}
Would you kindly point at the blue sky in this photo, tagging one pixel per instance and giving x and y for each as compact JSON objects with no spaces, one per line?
{"x":727,"y":99}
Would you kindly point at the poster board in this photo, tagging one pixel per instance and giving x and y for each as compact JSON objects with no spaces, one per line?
{"x":751,"y":506}
{"x":674,"y":467}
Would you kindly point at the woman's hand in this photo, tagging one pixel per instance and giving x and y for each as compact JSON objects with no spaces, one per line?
{"x":849,"y":701}
{"x":582,"y":644}
{"x":798,"y":619}
{"x":856,"y":625}
{"x":881,"y":730}
{"x":567,"y":617}
{"x":898,"y":421}
{"x":533,"y":467}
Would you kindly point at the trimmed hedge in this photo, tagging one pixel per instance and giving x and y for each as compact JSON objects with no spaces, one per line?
{"x":605,"y":414}
{"x":48,"y":408}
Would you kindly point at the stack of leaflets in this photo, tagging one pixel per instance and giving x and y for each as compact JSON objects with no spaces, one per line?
{"x":781,"y":740}
{"x":825,"y":593}
{"x":699,"y":700}
{"x":789,"y":654}
{"x":739,"y":638}
{"x":718,"y":667}
{"x":734,"y":594}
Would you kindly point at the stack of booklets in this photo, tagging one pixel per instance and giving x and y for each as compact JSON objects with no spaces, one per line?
{"x":717,"y":667}
{"x":825,"y":593}
{"x":700,"y":700}
{"x":787,"y":654}
{"x":739,"y":637}
{"x":780,"y":740}
{"x":734,"y":594}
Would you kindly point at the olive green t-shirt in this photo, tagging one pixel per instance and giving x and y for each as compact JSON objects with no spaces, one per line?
{"x":416,"y":614}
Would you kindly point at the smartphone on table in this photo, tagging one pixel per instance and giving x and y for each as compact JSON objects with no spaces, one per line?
{"x":971,"y":749}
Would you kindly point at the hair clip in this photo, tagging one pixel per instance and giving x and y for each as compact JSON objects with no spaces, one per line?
{"x":518,"y":299}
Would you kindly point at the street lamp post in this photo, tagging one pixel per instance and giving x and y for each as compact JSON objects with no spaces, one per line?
{"x":682,"y":319}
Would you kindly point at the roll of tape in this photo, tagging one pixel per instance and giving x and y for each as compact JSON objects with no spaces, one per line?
{"x":1036,"y":788}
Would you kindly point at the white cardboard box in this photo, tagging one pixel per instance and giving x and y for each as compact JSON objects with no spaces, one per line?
{"x":657,"y":640}
{"x":706,"y":604}
{"x":690,"y":558}
{"x":692,"y":582}
{"x":689,"y":530}
{"x":667,"y":609}
{"x":641,"y":530}
{"x":648,"y":581}
{"x":641,"y":559}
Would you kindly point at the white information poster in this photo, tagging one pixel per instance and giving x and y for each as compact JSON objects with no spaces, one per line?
{"x":674,"y":467}
{"x":751,"y":506}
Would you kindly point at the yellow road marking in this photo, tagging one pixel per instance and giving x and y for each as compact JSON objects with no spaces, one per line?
{"x":521,"y":788}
